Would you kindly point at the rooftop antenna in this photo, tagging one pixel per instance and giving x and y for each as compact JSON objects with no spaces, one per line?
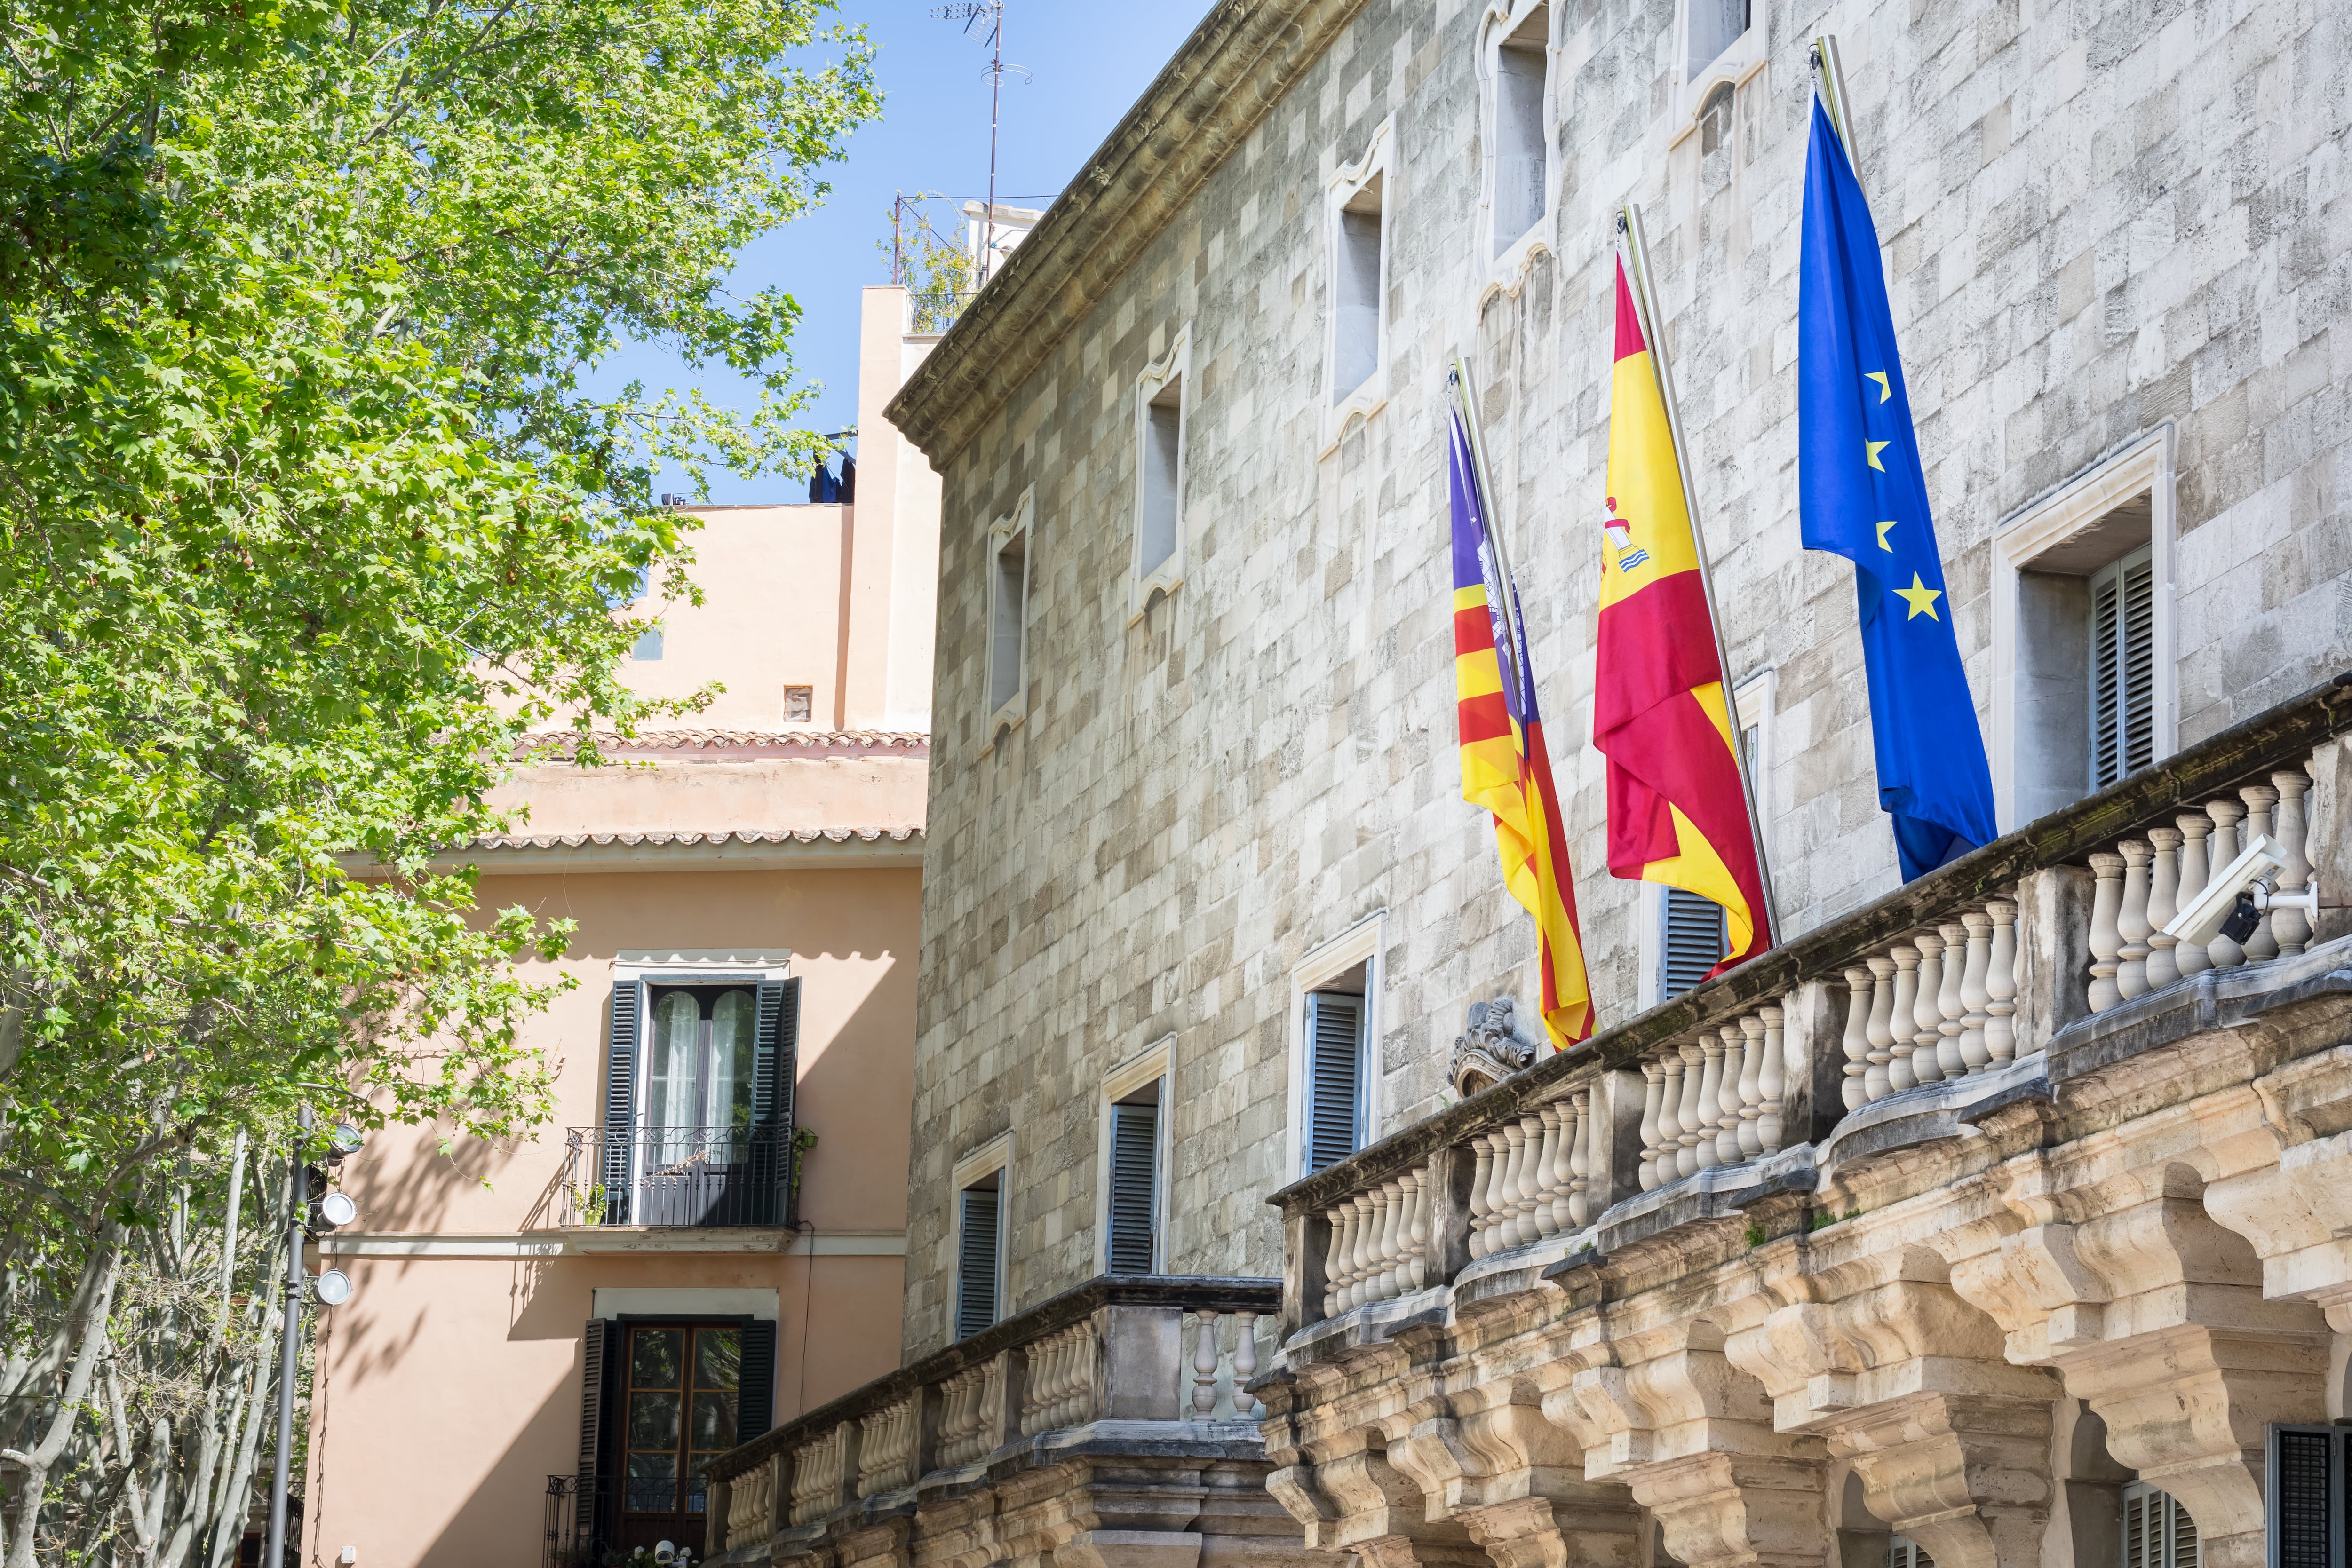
{"x":971,"y":13}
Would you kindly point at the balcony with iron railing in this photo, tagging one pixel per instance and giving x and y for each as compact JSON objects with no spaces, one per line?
{"x":677,"y":1176}
{"x":587,"y":1518}
{"x":1907,"y":1021}
{"x":1143,"y":1375}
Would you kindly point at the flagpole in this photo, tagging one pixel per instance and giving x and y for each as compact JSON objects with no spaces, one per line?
{"x":1829,"y":80}
{"x":1637,"y":255}
{"x":1508,"y":587}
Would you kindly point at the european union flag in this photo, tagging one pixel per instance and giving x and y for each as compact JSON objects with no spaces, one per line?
{"x":1863,"y":495}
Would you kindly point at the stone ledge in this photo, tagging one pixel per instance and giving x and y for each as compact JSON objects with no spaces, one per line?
{"x":1359,"y":1328}
{"x":1522,"y":1268}
{"x":1718,"y":1193}
{"x":2211,"y":1001}
{"x":1931,"y":1113}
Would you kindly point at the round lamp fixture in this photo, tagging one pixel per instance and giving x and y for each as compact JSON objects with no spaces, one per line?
{"x":332,"y":1289}
{"x":337,"y":1209}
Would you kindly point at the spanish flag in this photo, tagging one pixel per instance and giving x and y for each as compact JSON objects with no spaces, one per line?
{"x":1677,"y":810}
{"x":1505,"y":766}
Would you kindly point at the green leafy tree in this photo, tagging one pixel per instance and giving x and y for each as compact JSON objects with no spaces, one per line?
{"x":310,"y":519}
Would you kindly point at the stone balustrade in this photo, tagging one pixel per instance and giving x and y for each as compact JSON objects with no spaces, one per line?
{"x":1925,"y":1234}
{"x":1159,"y":1362}
{"x":1890,"y":1026}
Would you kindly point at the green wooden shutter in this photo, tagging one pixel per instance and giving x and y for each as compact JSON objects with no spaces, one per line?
{"x":1335,"y":1077}
{"x":599,"y":1363}
{"x":2123,"y":667}
{"x":1134,"y":1188}
{"x":621,"y":1100}
{"x":775,"y":1052}
{"x":1691,"y":941}
{"x":976,"y":1259}
{"x":755,"y":1397}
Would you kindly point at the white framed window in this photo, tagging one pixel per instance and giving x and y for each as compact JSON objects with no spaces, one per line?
{"x":980,"y":1193}
{"x":1518,"y":113}
{"x":1335,"y":1088}
{"x":1719,"y":44}
{"x":1682,"y":935}
{"x":2083,"y":678}
{"x":2157,"y":1532}
{"x":1355,"y":336}
{"x":1160,"y":416}
{"x":1007,"y":672}
{"x":1131,"y":1173}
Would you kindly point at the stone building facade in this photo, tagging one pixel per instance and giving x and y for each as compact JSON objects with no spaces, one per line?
{"x":2116,"y":242}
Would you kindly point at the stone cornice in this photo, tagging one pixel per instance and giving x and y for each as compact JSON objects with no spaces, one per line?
{"x":1236,"y":65}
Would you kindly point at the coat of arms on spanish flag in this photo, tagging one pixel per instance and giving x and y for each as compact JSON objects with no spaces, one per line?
{"x":1505,"y":765}
{"x":1677,"y":802}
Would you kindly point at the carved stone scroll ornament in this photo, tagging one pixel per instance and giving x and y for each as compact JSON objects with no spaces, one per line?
{"x":1490,"y":1050}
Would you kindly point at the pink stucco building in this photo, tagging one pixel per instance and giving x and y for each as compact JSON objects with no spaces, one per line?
{"x":548,"y":1336}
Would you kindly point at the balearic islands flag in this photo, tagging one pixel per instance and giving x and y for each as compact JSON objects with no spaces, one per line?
{"x":1677,"y":810}
{"x":1505,"y":766}
{"x":1863,"y":494}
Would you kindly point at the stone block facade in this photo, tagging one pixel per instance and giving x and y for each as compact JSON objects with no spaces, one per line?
{"x":2102,"y":223}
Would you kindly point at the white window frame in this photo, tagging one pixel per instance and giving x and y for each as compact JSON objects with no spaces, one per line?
{"x":1165,"y":580}
{"x":1507,"y":271}
{"x":2145,"y":465}
{"x":992,"y":1157}
{"x":1362,"y":943}
{"x":1369,"y":396}
{"x":1753,"y":702}
{"x":1155,"y":1060}
{"x":1009,"y":713}
{"x":1740,"y":62}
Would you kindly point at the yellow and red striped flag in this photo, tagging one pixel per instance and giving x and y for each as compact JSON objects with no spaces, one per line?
{"x":1506,"y":768}
{"x":1677,"y":805}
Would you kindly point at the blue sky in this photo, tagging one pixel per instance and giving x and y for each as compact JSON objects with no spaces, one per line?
{"x":1087,"y":63}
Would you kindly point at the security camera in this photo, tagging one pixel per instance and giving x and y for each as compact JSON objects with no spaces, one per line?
{"x":2233,"y":903}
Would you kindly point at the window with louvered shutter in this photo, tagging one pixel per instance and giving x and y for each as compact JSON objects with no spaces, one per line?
{"x":1690,"y":941}
{"x":2310,"y":1485}
{"x":2123,"y":667}
{"x":1135,"y":1185}
{"x":1901,"y":1552}
{"x":597,"y":1364}
{"x":976,"y":1259}
{"x":2157,"y":1532}
{"x":1335,"y":1077}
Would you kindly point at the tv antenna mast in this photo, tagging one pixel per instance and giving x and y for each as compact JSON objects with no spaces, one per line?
{"x":971,"y":14}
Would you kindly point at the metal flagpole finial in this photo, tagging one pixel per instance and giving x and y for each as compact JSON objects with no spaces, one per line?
{"x":1618,"y":221}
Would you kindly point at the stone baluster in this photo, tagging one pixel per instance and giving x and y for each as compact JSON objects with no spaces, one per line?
{"x":2000,"y":985}
{"x":1705,"y":1148}
{"x":1580,"y":1162}
{"x":1927,"y":1015}
{"x":1879,"y":1080}
{"x":2189,"y":957}
{"x":1334,"y":1249}
{"x":1652,"y":1080}
{"x":1902,"y":1009}
{"x":1727,"y":1105}
{"x":1772,"y":1081}
{"x":2107,"y":946}
{"x":1359,"y":1249}
{"x":1535,"y":1166}
{"x":1855,"y":1091}
{"x":1204,"y":1367}
{"x":2291,"y":928}
{"x":2262,"y":946}
{"x":1247,"y":1407}
{"x":1973,"y":995}
{"x":1382,"y":1282}
{"x":1505,"y":1195}
{"x":1752,"y":1087}
{"x":1482,"y":1150}
{"x":1416,"y":1191}
{"x":2132,"y":929}
{"x":2223,"y":952}
{"x":1948,"y":1001}
{"x":2163,"y":903}
{"x":1686,"y":1121}
{"x":1563,"y":1168}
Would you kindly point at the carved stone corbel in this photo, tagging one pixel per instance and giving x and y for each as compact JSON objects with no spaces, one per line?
{"x":1377,"y":1513}
{"x":1517,"y":1483}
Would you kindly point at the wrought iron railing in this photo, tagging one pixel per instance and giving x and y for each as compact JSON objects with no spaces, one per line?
{"x":584,"y":1530}
{"x":677,"y":1176}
